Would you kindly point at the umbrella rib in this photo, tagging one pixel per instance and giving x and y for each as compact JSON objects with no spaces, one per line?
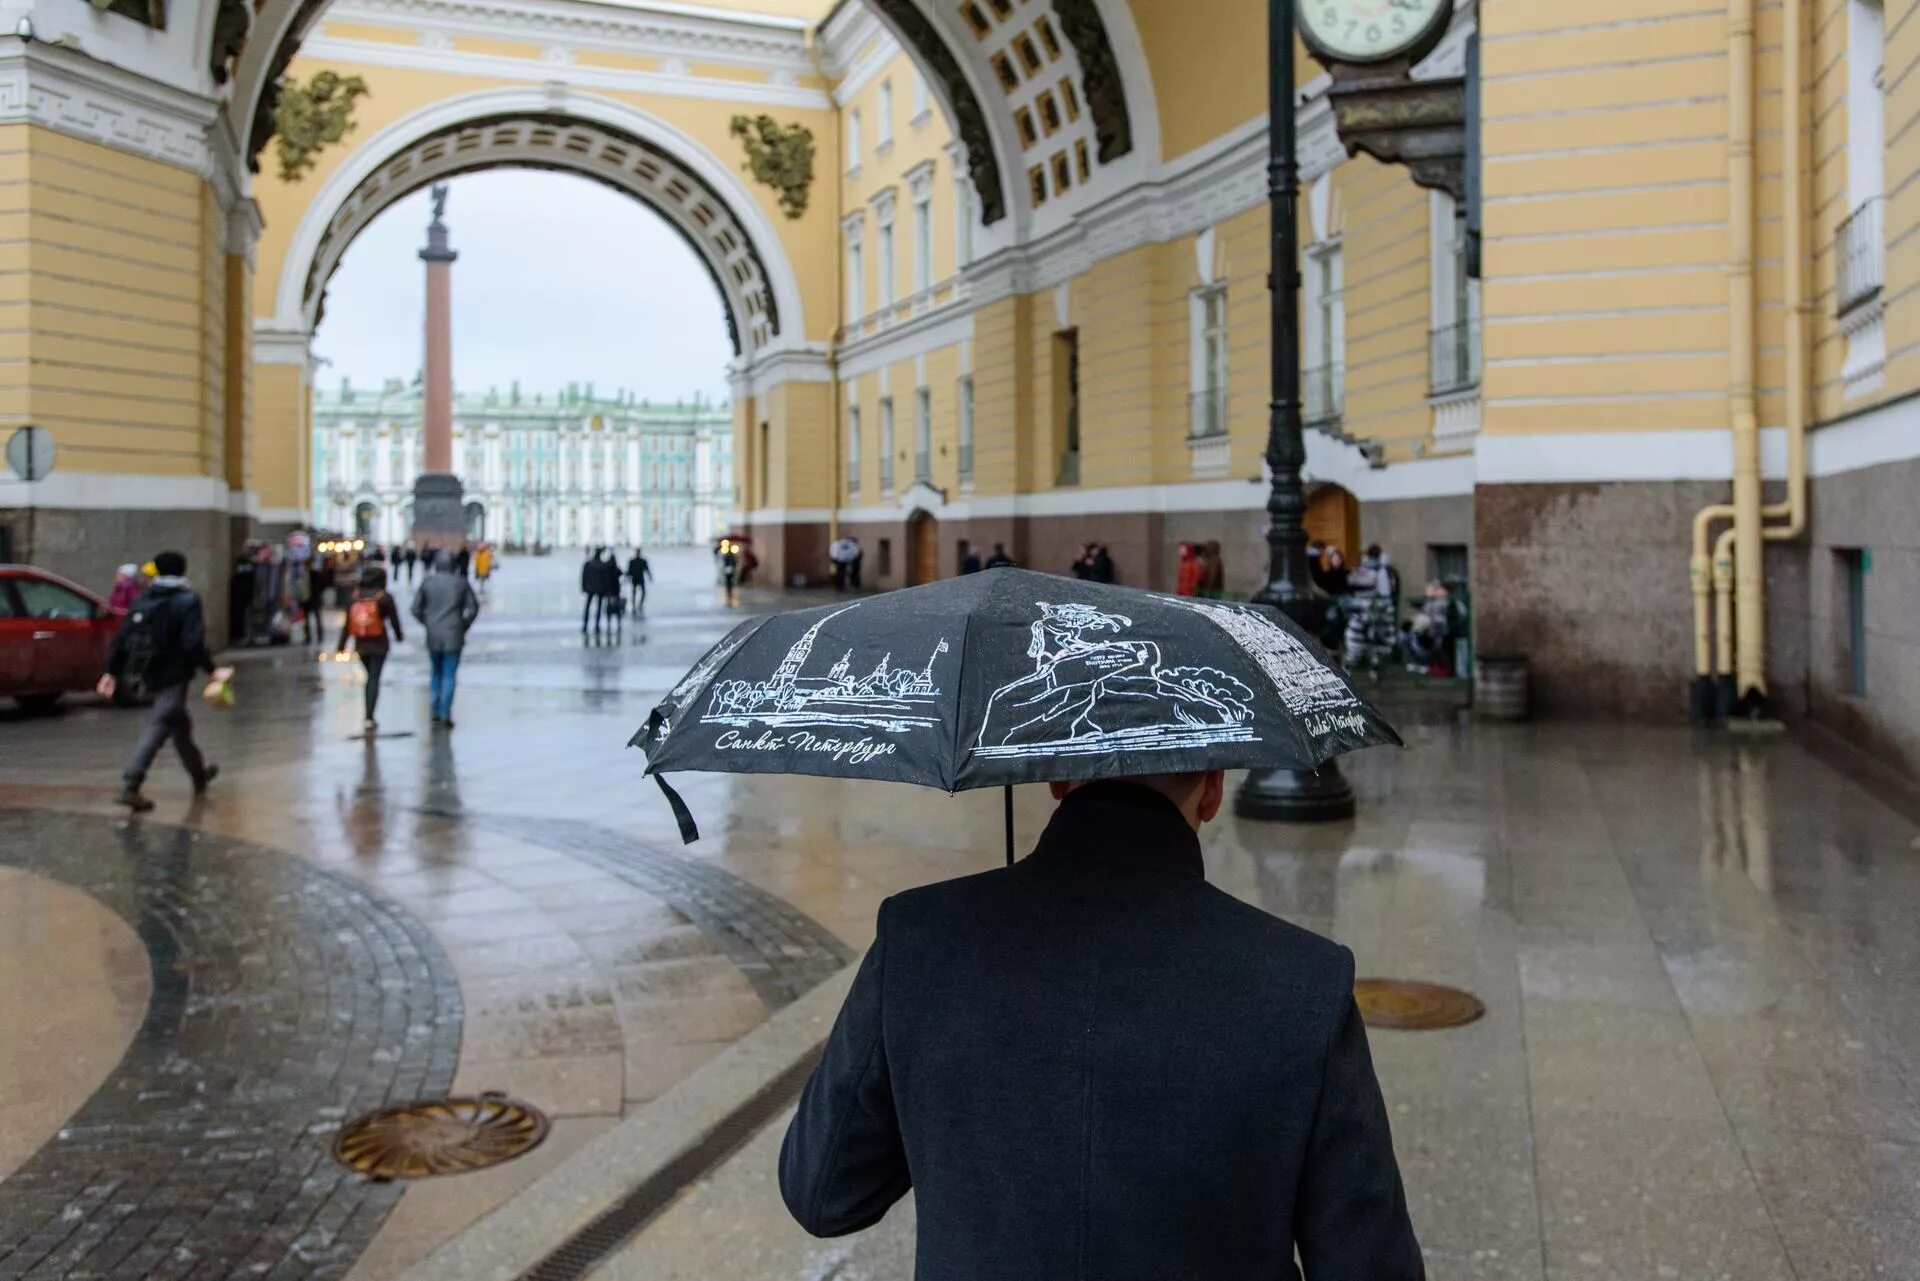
{"x":959,"y":704}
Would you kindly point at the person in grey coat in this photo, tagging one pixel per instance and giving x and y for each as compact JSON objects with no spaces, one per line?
{"x":446,"y":606}
{"x":1095,"y":1066}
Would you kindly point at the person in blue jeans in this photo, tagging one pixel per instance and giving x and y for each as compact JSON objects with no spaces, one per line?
{"x":446,"y":606}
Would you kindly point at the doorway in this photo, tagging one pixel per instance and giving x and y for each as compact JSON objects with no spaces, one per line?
{"x":923,"y":549}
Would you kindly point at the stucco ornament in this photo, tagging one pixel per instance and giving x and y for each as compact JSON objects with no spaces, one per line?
{"x":779,"y":156}
{"x":308,"y":117}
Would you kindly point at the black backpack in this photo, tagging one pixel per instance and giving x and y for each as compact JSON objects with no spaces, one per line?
{"x":143,"y":633}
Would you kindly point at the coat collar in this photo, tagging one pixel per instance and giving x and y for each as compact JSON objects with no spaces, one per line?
{"x":1122,"y":823}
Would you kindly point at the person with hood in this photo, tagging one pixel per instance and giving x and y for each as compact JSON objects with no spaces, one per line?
{"x":127,"y":588}
{"x":446,"y":606}
{"x":373,"y":624}
{"x":1000,"y":559}
{"x":163,"y":641}
{"x":1213,"y":571}
{"x":1186,"y":578}
{"x":1093,"y":1063}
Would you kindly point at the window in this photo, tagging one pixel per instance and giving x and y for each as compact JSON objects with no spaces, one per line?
{"x":922,"y":244}
{"x":922,"y":103}
{"x":1455,"y":349}
{"x":853,"y":141}
{"x":853,"y":450}
{"x":923,"y":435}
{"x":883,"y":122}
{"x":856,"y":281}
{"x":1860,"y":245}
{"x":1852,"y":567}
{"x":1209,"y":362}
{"x":965,"y":398}
{"x":888,"y":283}
{"x":41,"y":599}
{"x":1324,"y":324}
{"x":1066,"y":403}
{"x":886,"y":445}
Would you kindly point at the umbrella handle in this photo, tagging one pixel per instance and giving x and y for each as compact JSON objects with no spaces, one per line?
{"x":1009,"y":810}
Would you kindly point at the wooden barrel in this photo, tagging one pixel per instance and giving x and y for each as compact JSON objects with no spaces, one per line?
{"x":1500,"y":687}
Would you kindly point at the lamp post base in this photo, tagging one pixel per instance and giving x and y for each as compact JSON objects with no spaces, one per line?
{"x":1295,"y":796}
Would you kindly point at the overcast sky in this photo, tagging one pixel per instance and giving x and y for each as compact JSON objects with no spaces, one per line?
{"x":559,"y":280}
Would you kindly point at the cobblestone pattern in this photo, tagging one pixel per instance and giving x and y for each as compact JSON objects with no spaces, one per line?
{"x":285,"y":1001}
{"x":782,"y":951}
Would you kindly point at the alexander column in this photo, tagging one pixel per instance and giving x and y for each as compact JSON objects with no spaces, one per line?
{"x":439,"y":509}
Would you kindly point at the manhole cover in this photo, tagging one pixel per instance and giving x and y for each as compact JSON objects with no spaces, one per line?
{"x":439,"y":1136}
{"x":1411,"y":1006}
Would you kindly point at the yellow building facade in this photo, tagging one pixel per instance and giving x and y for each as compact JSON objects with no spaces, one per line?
{"x":1027,"y":302}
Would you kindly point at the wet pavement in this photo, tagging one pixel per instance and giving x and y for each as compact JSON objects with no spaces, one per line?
{"x":1699,"y":1058}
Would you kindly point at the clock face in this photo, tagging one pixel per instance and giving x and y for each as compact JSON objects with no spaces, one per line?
{"x":1369,"y":30}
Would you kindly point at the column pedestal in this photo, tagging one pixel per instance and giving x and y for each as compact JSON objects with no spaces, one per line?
{"x":439,"y":511}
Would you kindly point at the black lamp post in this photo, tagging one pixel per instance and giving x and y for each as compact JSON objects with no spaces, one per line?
{"x":1295,"y":796}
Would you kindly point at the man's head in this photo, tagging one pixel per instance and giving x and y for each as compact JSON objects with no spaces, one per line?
{"x":1199,"y":796}
{"x":170,"y":565}
{"x":999,"y":548}
{"x":1373,"y":551}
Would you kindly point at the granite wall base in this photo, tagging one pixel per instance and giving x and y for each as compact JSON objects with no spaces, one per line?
{"x":88,"y":546}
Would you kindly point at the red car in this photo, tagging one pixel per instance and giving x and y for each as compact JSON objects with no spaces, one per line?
{"x":54,"y":636}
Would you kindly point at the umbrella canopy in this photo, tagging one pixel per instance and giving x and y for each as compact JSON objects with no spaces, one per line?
{"x":1005,"y":677}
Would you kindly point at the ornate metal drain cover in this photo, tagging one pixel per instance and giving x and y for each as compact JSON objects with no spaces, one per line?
{"x":439,"y":1136}
{"x":1411,"y":1006}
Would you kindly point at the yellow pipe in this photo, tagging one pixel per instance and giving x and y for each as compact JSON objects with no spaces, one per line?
{"x":1749,"y":578}
{"x":1701,"y":576}
{"x":1723,"y":589}
{"x":1793,"y":222}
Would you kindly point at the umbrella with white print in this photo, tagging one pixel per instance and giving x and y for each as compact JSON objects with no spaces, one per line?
{"x":1005,"y":677}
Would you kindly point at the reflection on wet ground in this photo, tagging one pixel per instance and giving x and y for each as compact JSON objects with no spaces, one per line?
{"x":1697,"y":1061}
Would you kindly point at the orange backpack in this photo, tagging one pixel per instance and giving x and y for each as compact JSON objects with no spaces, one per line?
{"x":363,"y":619}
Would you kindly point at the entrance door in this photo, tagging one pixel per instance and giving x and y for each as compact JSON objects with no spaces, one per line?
{"x":924,"y":533}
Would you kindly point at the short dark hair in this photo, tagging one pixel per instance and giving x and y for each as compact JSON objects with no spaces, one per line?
{"x":1373,"y":549}
{"x":170,"y":564}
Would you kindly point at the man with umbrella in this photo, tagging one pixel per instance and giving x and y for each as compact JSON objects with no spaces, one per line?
{"x":1091,"y":1063}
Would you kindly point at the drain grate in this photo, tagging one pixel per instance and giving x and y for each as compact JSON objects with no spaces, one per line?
{"x":582,"y":1251}
{"x":1412,"y":1006}
{"x":439,"y":1136}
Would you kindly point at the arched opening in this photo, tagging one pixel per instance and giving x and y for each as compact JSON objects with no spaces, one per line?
{"x":476,"y":522}
{"x":363,"y":518}
{"x":923,"y":549}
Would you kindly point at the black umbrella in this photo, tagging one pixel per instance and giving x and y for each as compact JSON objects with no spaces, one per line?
{"x":1005,"y":677}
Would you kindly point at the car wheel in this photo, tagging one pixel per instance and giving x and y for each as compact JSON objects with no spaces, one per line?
{"x":37,"y":702}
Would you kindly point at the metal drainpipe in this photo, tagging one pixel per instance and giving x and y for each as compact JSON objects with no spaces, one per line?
{"x":1792,"y":163}
{"x":1749,"y":582}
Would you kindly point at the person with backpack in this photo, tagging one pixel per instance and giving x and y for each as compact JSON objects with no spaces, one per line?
{"x":446,"y":606}
{"x":371,"y":615}
{"x":163,"y":642}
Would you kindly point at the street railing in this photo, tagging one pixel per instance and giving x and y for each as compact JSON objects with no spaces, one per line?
{"x":1207,"y":413}
{"x":1454,"y":357}
{"x":1860,"y":257}
{"x":1323,"y":393}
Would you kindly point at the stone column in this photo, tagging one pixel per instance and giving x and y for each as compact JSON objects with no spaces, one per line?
{"x":439,"y":509}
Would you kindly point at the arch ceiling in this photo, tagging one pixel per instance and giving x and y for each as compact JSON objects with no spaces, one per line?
{"x":595,"y":138}
{"x":1052,"y":99}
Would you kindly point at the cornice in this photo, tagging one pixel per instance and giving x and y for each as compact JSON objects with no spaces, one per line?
{"x":498,"y":67}
{"x":72,"y":94}
{"x":664,"y":31}
{"x":861,"y":74}
{"x":919,"y":180}
{"x":808,"y":363}
{"x":848,"y":29}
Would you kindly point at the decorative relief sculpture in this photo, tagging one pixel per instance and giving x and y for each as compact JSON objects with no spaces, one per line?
{"x":308,"y":117}
{"x":1100,"y":82}
{"x":778,"y":156}
{"x":231,"y":23}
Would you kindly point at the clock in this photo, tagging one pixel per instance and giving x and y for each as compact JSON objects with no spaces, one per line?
{"x":1363,"y":31}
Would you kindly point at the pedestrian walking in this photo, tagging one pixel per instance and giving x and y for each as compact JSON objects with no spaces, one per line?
{"x":999,"y":559}
{"x":970,"y":563}
{"x":408,"y":557}
{"x":612,"y":597}
{"x":483,"y":563}
{"x":445,"y":607}
{"x":639,"y":574}
{"x":163,"y":643}
{"x":1213,"y":571}
{"x":306,"y":591}
{"x":853,"y":566}
{"x":1186,"y":575}
{"x":127,"y":587}
{"x":1101,"y":571}
{"x":729,"y":568}
{"x":590,"y":589}
{"x":842,"y":554}
{"x":1132,"y":1073}
{"x":1083,"y":563}
{"x":373,"y":624}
